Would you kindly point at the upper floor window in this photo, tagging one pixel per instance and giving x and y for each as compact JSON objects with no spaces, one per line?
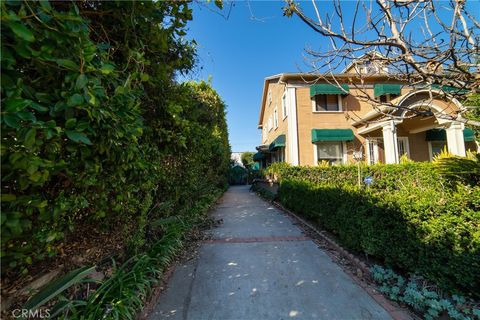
{"x":328,"y":102}
{"x":264,"y":133}
{"x":284,"y":105}
{"x":275,"y":117}
{"x":385,"y":92}
{"x":384,"y":98}
{"x":269,"y":98}
{"x":270,"y":124}
{"x":370,"y":67}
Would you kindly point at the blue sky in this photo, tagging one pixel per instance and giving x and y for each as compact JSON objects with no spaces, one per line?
{"x":239,"y":52}
{"x":255,"y":41}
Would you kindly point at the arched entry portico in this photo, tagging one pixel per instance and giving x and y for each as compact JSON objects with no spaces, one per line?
{"x":417,"y":112}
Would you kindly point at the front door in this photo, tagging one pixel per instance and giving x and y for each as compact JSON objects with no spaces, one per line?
{"x":375,"y":150}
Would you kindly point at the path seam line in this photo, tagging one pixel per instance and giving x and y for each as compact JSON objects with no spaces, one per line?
{"x":257,"y":239}
{"x":190,"y":289}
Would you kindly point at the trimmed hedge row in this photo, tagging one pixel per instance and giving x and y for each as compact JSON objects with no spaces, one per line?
{"x":411,"y":217}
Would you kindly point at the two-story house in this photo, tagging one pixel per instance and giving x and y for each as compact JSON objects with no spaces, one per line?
{"x":306,"y":119}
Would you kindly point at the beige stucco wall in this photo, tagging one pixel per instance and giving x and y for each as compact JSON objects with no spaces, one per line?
{"x":419,"y":149}
{"x":277,"y":90}
{"x":352,"y":110}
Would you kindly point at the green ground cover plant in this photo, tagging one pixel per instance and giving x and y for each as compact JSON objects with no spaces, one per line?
{"x":414,"y":217}
{"x":424,"y":297}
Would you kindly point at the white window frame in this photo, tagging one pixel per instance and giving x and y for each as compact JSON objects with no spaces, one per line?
{"x":375,"y":150}
{"x":270,"y":123}
{"x":340,"y":105}
{"x":430,"y":151}
{"x":344,"y":152}
{"x":284,"y":105}
{"x":275,"y":118}
{"x":367,"y":67}
{"x":269,"y":96}
{"x":406,"y":145}
{"x":374,"y":141}
{"x":279,"y":155}
{"x":264,"y":133}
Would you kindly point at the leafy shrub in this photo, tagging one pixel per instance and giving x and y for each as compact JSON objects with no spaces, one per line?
{"x":262,"y":192}
{"x":465,"y":169}
{"x":411,"y":216}
{"x":96,"y":132}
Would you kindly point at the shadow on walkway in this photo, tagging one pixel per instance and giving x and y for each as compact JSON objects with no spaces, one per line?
{"x":259,"y":265}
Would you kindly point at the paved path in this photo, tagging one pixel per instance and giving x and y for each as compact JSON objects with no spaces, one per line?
{"x":259,"y":265}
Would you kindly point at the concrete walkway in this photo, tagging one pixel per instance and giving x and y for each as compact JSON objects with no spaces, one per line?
{"x":259,"y":265}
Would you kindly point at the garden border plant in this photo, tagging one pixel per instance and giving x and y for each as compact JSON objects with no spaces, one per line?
{"x":123,"y":294}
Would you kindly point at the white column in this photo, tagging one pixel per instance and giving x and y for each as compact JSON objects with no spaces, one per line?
{"x":390,"y":142}
{"x":455,"y":140}
{"x":292,"y":135}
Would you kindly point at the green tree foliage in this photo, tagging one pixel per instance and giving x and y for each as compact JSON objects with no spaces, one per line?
{"x":95,"y":130}
{"x":412,"y":216}
{"x":247,"y":158}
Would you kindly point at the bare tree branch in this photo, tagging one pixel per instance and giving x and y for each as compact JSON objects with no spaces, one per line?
{"x":421,"y":43}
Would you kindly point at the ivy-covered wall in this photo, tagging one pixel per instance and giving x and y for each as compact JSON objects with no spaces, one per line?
{"x":97,"y":136}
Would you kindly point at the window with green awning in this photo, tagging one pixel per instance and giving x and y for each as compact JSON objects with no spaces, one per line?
{"x":279,"y":142}
{"x":332,"y":135}
{"x":382,"y":89}
{"x":441,"y":135}
{"x":258,"y":156}
{"x":327,"y":88}
{"x":449,"y":89}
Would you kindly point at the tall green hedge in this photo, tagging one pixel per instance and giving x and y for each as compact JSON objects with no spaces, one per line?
{"x":96,"y":132}
{"x":411,"y":217}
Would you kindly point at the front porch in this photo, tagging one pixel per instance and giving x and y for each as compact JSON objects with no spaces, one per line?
{"x":388,"y":145}
{"x":419,"y":129}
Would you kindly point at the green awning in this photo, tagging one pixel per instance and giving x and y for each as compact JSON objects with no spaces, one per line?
{"x":279,"y":142}
{"x":382,"y":89}
{"x":449,"y":89}
{"x":258,"y":156}
{"x":436,"y":135}
{"x":468,"y":135}
{"x":441,"y":135}
{"x":326,"y":88}
{"x":332,"y":135}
